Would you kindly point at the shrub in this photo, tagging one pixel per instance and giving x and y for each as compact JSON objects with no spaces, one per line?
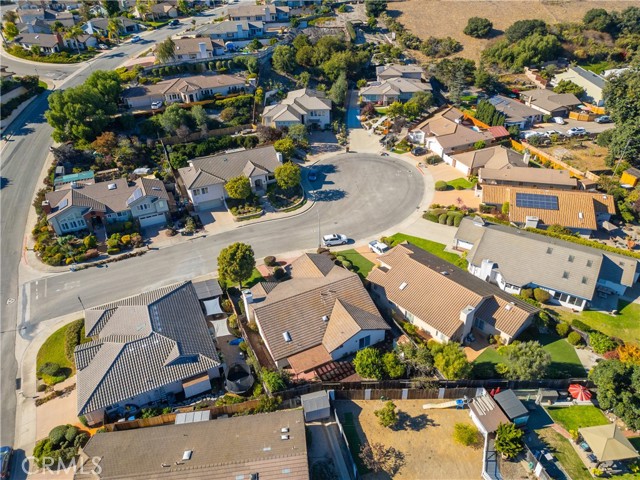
{"x":601,"y":343}
{"x":90,"y":241}
{"x":441,"y":186}
{"x":466,"y":434}
{"x":233,"y":322}
{"x":478,"y":27}
{"x":279,"y":273}
{"x":387,"y":415}
{"x":392,"y":365}
{"x":368,"y":363}
{"x":57,"y":435}
{"x":347,"y":264}
{"x":580,"y":325}
{"x":49,"y":368}
{"x":505,"y":208}
{"x":274,"y":380}
{"x":442,"y":219}
{"x":113,"y":251}
{"x":125,"y":240}
{"x":71,"y":433}
{"x":541,"y":295}
{"x":270,"y":261}
{"x":41,"y":387}
{"x":527,"y":292}
{"x":227,"y":306}
{"x":574,"y":338}
{"x":563,"y":329}
{"x":73,"y":337}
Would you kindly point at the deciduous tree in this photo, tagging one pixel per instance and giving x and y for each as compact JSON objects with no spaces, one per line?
{"x":338,"y":91}
{"x":284,"y":59}
{"x":236,"y":263}
{"x":368,"y":363}
{"x":287,"y":175}
{"x":393,"y":368}
{"x":286,"y":147}
{"x":10,"y":30}
{"x":378,"y":458}
{"x":166,"y":50}
{"x":238,"y":187}
{"x":450,"y":360}
{"x":526,"y":360}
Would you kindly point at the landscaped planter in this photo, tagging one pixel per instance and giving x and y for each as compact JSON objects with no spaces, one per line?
{"x":248,"y":216}
{"x":295,"y":206}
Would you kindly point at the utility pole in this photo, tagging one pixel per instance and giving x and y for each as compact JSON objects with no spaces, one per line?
{"x":319,"y":234}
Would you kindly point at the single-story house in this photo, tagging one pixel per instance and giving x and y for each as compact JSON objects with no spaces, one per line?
{"x":205,"y":177}
{"x":396,"y":70}
{"x":158,"y":11}
{"x":498,"y":158}
{"x":232,"y":30}
{"x":47,"y":43}
{"x":573,"y":274}
{"x":86,"y":206}
{"x":101,"y":26}
{"x":305,"y":106}
{"x":486,"y":414}
{"x":297,"y":3}
{"x":550,"y":103}
{"x":630,"y":177}
{"x":516,"y":113}
{"x":321,"y":314}
{"x":258,"y":13}
{"x":182,"y":90}
{"x":34,"y":26}
{"x":197,"y":48}
{"x":578,"y":210}
{"x":143,"y":349}
{"x":592,"y":83}
{"x":514,"y":176}
{"x":30,"y":15}
{"x":513,"y":407}
{"x":447,"y":133}
{"x":266,"y":446}
{"x":443,"y":300}
{"x":83,"y":42}
{"x":392,"y":90}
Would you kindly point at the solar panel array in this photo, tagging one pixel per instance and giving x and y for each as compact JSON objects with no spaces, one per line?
{"x":535,"y":200}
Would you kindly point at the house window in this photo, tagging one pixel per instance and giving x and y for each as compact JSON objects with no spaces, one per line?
{"x":122,"y":214}
{"x":144,"y":206}
{"x":479,"y":324}
{"x":364,"y":342}
{"x":409,"y":316}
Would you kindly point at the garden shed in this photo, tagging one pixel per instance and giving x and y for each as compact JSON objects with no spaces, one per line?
{"x":316,"y":406}
{"x":512,"y":407}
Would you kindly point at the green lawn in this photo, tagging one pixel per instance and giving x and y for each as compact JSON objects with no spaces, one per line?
{"x":564,"y":359}
{"x":577,"y":416}
{"x":256,"y":277}
{"x":361,"y":264}
{"x":599,"y":67}
{"x":432,"y":247}
{"x":461,"y":182}
{"x":354,"y":441}
{"x":625,"y":325}
{"x":564,"y":452}
{"x":52,"y":350}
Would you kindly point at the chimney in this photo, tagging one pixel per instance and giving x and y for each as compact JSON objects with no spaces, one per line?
{"x":202,"y":50}
{"x":466,"y":317}
{"x":46,"y":207}
{"x":266,"y":13}
{"x":247,"y":298}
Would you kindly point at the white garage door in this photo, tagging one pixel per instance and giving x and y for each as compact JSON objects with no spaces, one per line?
{"x":152,"y":220}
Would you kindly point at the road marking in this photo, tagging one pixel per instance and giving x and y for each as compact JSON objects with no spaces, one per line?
{"x":10,"y":301}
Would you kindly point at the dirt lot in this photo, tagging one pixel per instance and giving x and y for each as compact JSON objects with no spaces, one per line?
{"x":424,"y":436}
{"x":584,"y":155}
{"x":442,"y":18}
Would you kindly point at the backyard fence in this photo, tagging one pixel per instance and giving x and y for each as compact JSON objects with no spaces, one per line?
{"x":536,"y":466}
{"x":352,"y":462}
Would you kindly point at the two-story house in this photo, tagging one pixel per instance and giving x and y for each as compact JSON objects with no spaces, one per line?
{"x":395,"y":83}
{"x":197,"y":48}
{"x":305,"y":106}
{"x":260,"y":13}
{"x":205,"y":177}
{"x":86,"y":206}
{"x":233,"y":30}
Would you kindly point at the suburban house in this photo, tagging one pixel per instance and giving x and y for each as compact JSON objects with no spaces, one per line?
{"x":86,"y":206}
{"x":395,"y":70}
{"x":232,"y":30}
{"x":578,"y":210}
{"x":205,"y":177}
{"x":47,"y":43}
{"x":497,"y":157}
{"x":516,"y":113}
{"x":266,"y":446}
{"x":158,"y":11}
{"x":443,"y":300}
{"x":308,"y":107}
{"x":29,"y":15}
{"x":394,"y":83}
{"x":514,"y":176}
{"x":259,"y":13}
{"x":630,"y":177}
{"x":83,"y":42}
{"x":592,"y":83}
{"x":297,"y":3}
{"x":574,"y":275}
{"x":447,"y":133}
{"x":321,"y":314}
{"x":184,"y":90}
{"x":144,"y":349}
{"x":34,"y":26}
{"x":197,"y":48}
{"x":550,"y":103}
{"x":101,"y":26}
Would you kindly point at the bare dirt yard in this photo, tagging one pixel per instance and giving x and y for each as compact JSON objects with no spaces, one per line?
{"x":584,"y":155}
{"x":447,"y":18}
{"x":425,"y":437}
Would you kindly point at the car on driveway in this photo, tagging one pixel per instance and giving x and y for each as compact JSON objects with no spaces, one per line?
{"x":5,"y":461}
{"x":136,"y":38}
{"x":576,"y":132}
{"x":558,"y":120}
{"x":312,"y":176}
{"x":102,"y":46}
{"x":174,"y":22}
{"x":603,"y":119}
{"x":378,"y":247}
{"x":418,"y":151}
{"x":548,"y":133}
{"x":334,"y":239}
{"x":156,"y":105}
{"x":527,"y":135}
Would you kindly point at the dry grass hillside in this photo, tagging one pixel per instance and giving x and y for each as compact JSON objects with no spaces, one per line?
{"x":442,"y":18}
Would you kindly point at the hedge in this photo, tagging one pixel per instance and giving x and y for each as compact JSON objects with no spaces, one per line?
{"x":11,"y":105}
{"x":563,"y":329}
{"x":441,"y":186}
{"x":73,"y":337}
{"x":574,"y":338}
{"x":580,"y":325}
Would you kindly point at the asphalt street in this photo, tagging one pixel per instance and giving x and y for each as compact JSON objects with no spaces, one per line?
{"x":359,"y":195}
{"x":21,"y":161}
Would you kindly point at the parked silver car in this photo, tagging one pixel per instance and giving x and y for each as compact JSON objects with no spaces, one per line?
{"x":334,"y":239}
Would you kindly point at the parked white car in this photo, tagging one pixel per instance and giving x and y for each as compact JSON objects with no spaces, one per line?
{"x":575,"y":132}
{"x":156,"y":105}
{"x":558,"y":120}
{"x":548,"y":133}
{"x":528,"y":134}
{"x":378,"y":247}
{"x":334,"y":239}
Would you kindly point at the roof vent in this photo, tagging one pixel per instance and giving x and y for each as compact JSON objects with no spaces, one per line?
{"x":444,"y":272}
{"x":266,"y":449}
{"x":156,"y":188}
{"x":325,"y":318}
{"x":508,"y":307}
{"x":284,"y":437}
{"x":165,"y":465}
{"x":286,"y":336}
{"x":74,"y":184}
{"x":112,"y":186}
{"x":580,"y":215}
{"x":187,"y":455}
{"x":403,"y":285}
{"x":284,"y":430}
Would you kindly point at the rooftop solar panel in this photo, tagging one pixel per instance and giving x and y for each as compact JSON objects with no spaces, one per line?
{"x":534,"y":200}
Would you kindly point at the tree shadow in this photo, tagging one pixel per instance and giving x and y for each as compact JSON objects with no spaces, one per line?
{"x":415,"y":424}
{"x":331,"y":195}
{"x":4,"y":181}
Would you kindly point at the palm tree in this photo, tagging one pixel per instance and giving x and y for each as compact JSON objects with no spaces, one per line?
{"x":142,"y":6}
{"x":73,"y":34}
{"x":113,"y":29}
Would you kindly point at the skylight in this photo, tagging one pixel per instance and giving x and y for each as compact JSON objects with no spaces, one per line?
{"x":403,"y":285}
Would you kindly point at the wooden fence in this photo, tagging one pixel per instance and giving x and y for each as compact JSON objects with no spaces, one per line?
{"x":582,"y":116}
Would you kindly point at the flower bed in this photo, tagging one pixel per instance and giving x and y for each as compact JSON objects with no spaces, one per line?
{"x":282,"y":199}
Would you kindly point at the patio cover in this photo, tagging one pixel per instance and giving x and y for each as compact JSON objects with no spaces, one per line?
{"x":608,"y":226}
{"x":212,"y":306}
{"x":608,"y":443}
